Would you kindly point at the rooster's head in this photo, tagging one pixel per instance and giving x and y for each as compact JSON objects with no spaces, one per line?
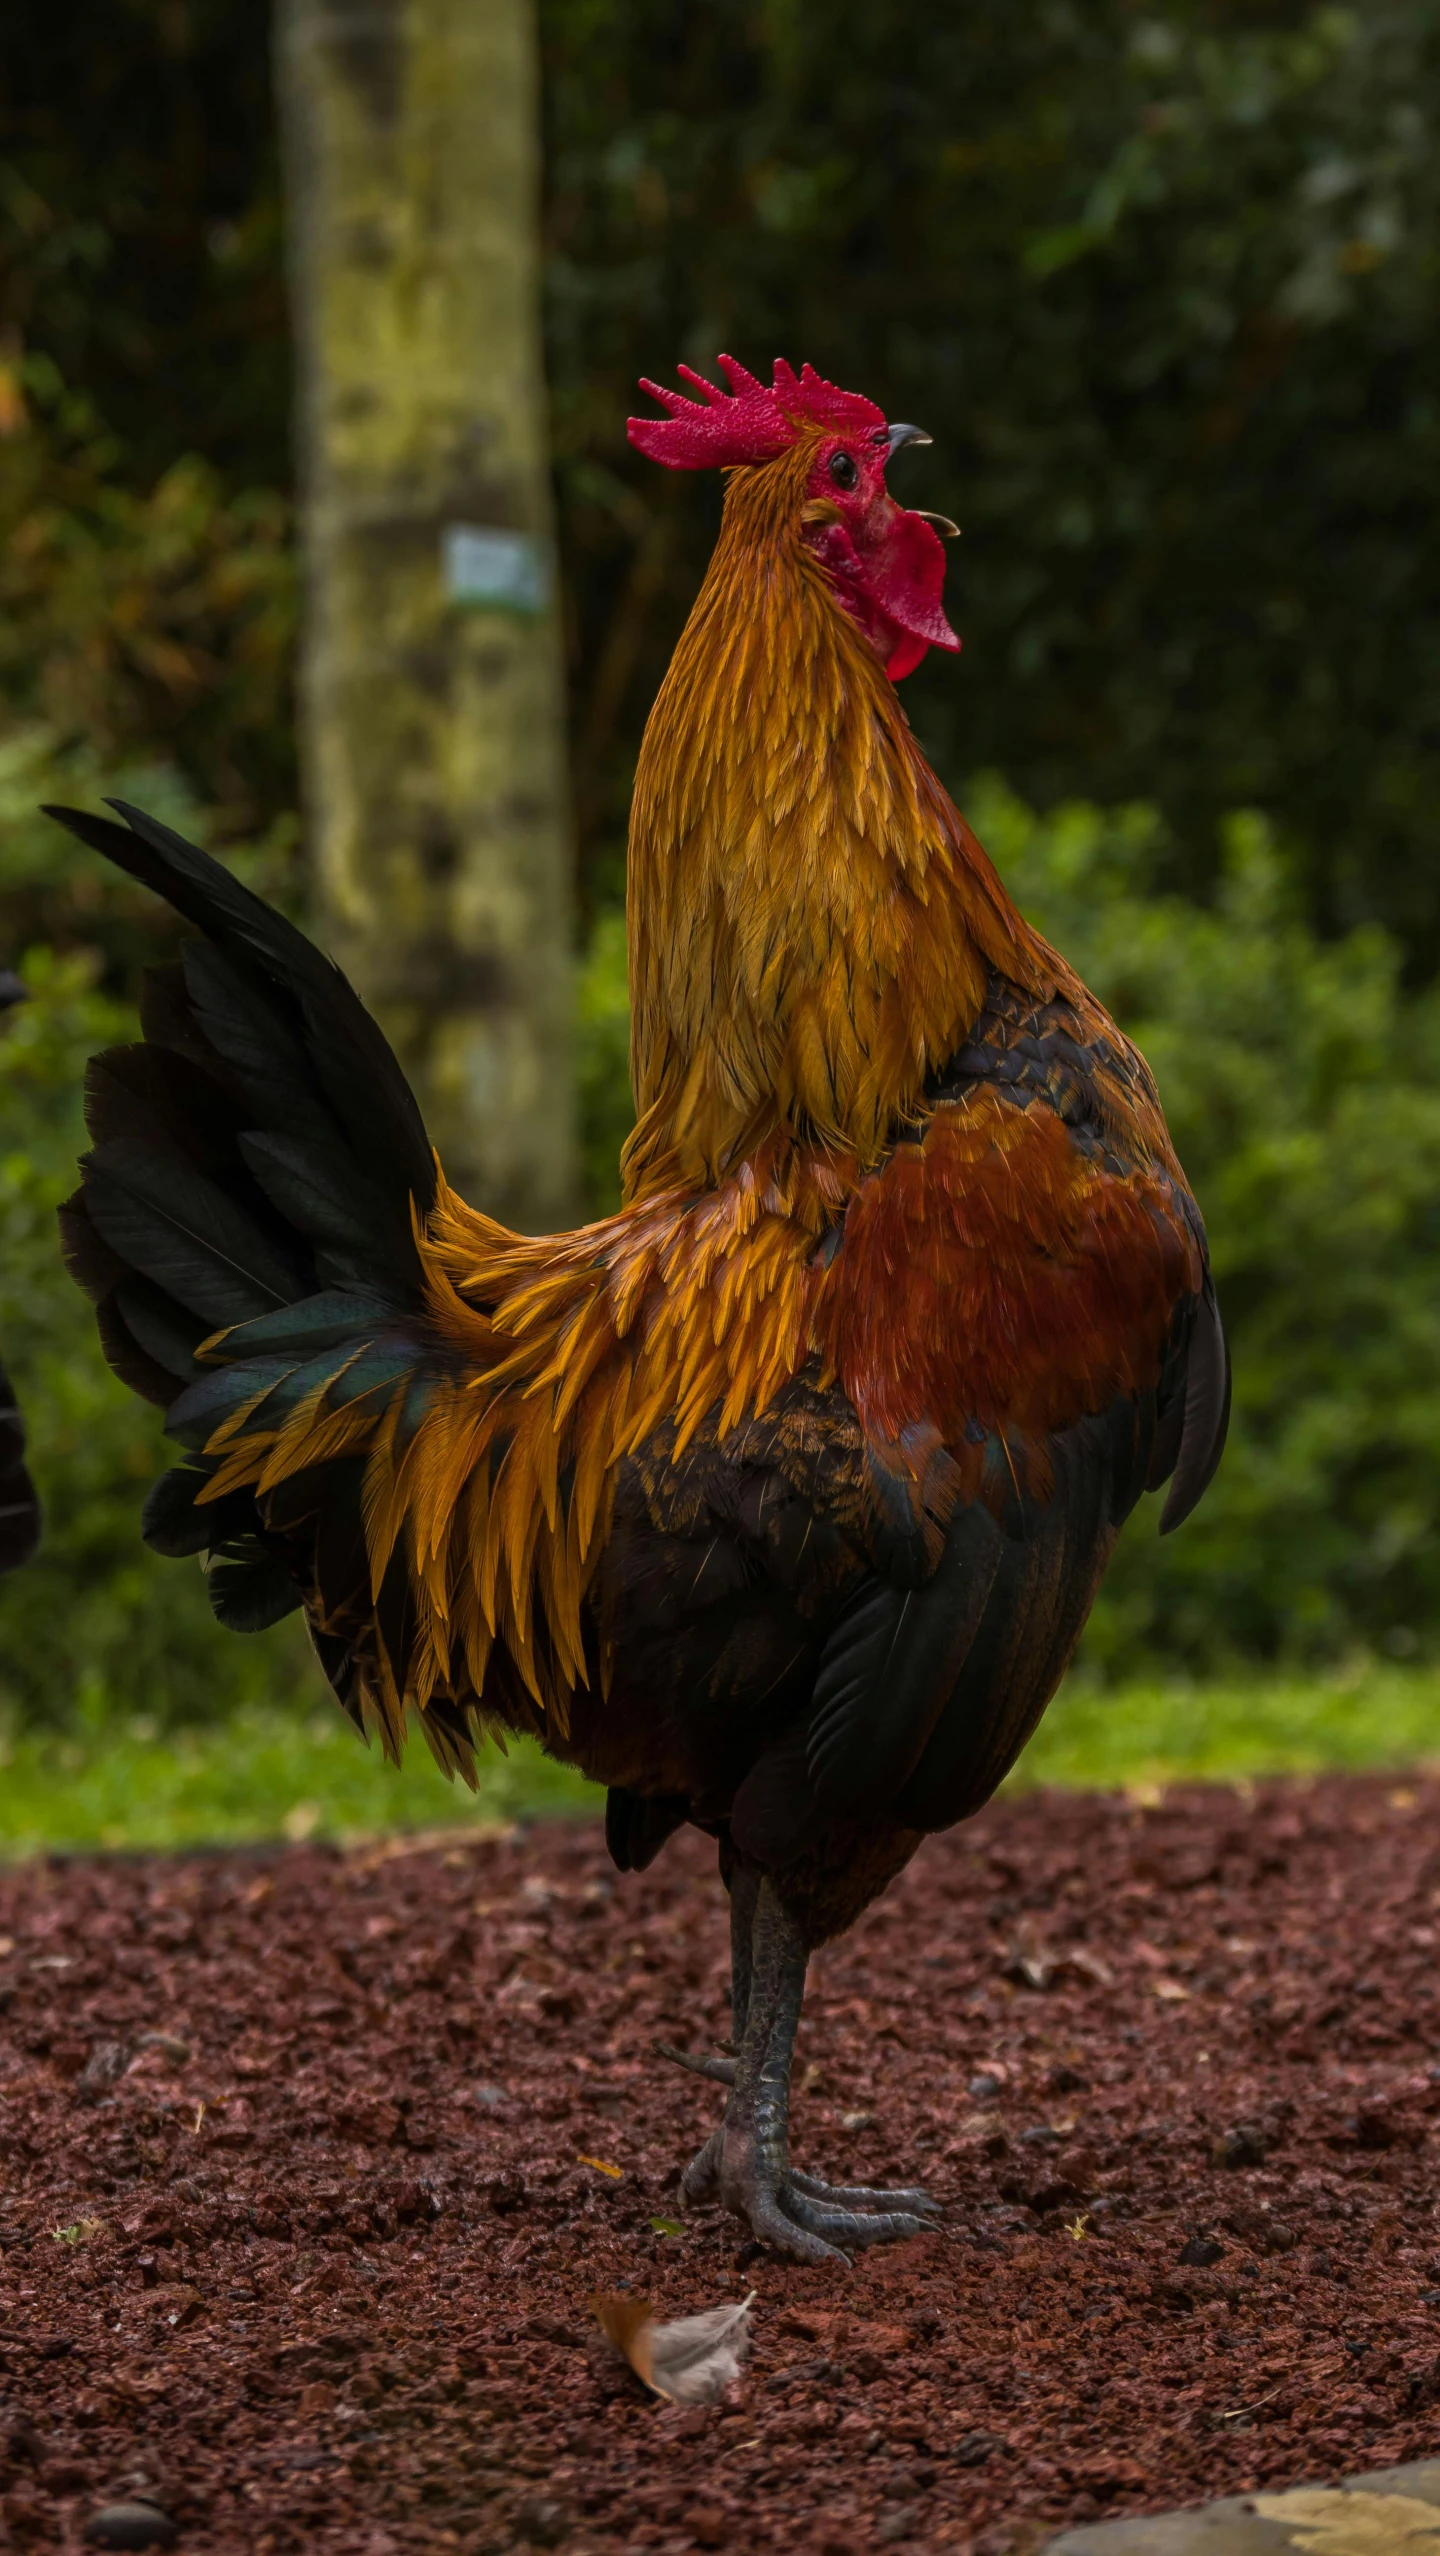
{"x":885,"y":562}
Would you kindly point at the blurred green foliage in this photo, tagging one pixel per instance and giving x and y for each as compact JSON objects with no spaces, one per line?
{"x":1302,"y":1087}
{"x":95,"y":1627}
{"x":1152,"y":1731}
{"x":256,"y":1773}
{"x":146,"y":560}
{"x":602,"y":1064}
{"x":1159,"y":276}
{"x":297,"y":1775}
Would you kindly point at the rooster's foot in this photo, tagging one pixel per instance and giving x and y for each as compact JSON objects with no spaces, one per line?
{"x":745,"y":2163}
{"x":815,"y":2222}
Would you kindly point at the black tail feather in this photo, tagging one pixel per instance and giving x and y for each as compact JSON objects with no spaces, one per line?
{"x":188,"y":1235}
{"x":95,"y":1268}
{"x":255,"y":1170}
{"x":320,"y":1195}
{"x":167,"y":1019}
{"x":260,"y":1044}
{"x":173,"y":1524}
{"x":250,"y":1588}
{"x":19,"y":1504}
{"x":155,"y":1099}
{"x":324,"y":1321}
{"x":157,"y":1325}
{"x":356,"y":1069}
{"x":126,"y":1359}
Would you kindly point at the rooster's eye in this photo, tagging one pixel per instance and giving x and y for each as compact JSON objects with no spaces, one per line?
{"x":843,"y":470}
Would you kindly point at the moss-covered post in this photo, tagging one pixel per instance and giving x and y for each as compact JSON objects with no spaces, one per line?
{"x":431,"y":675}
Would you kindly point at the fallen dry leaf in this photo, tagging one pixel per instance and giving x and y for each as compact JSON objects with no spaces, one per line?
{"x":1331,"y":2523}
{"x":692,"y":2361}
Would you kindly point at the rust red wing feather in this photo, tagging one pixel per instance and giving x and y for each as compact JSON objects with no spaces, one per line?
{"x":996,"y":1275}
{"x":1020,"y":1314}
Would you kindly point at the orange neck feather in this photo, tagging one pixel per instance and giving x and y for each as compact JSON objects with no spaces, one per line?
{"x":811,"y":919}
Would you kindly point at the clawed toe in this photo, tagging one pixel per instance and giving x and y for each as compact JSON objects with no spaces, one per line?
{"x":823,"y":2230}
{"x":907,"y":2199}
{"x":700,"y":2181}
{"x":848,"y":2228}
{"x":776,"y":2221}
{"x":720,"y":2071}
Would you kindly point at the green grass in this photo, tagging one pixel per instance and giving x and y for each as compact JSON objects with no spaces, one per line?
{"x":258,"y":1775}
{"x":1156,"y":1732}
{"x":264,"y":1775}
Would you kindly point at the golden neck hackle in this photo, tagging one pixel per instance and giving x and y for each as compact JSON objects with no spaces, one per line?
{"x":810,"y":918}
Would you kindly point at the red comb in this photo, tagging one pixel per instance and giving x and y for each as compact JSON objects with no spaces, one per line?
{"x":748,"y":423}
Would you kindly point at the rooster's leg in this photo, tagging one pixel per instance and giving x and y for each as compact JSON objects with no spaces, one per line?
{"x":746,"y":2162}
{"x":744,"y":1887}
{"x":744,"y":1893}
{"x":744,"y":1883}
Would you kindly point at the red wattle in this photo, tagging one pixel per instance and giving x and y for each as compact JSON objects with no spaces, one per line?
{"x":889,"y":574}
{"x":906,"y":656}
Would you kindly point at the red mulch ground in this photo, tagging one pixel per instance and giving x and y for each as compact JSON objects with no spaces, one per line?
{"x":1169,"y":2068}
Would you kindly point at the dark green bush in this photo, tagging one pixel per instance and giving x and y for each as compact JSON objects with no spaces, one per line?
{"x":1303,"y":1092}
{"x":1160,"y":279}
{"x":602,"y":1064}
{"x":95,"y":1626}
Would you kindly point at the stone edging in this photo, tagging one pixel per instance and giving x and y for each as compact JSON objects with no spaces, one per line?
{"x":1394,"y":2513}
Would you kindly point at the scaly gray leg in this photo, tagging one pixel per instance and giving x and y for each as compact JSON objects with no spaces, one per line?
{"x":744,"y":1885}
{"x":745,"y":2163}
{"x":744,"y":1893}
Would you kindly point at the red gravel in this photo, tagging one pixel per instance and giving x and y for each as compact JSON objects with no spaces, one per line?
{"x":344,"y":2307}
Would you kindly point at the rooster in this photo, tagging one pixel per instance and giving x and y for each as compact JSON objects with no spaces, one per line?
{"x":776,"y":1501}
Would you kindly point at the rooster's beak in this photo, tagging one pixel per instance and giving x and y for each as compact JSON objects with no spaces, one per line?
{"x":898,"y":436}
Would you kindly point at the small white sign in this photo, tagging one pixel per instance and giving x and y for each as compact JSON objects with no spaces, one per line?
{"x":508,"y":571}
